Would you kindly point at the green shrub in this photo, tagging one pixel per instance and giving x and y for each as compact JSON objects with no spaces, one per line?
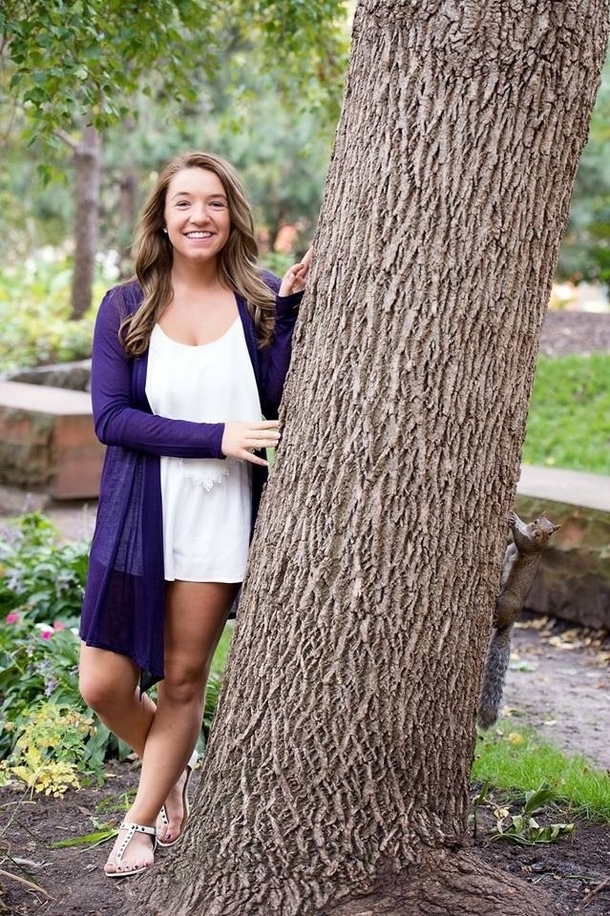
{"x":40,"y":576}
{"x":50,"y":750}
{"x":35,"y":315}
{"x":41,"y":591}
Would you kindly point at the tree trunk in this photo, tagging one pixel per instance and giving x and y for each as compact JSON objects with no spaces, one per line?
{"x":87,"y":162}
{"x":336,"y":779}
{"x":128,"y":213}
{"x":128,"y":203}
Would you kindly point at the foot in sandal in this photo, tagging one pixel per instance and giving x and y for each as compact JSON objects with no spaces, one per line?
{"x":133,"y":851}
{"x":174,"y":813}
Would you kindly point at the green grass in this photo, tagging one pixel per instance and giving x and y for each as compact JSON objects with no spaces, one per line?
{"x":515,"y":761}
{"x":569,"y":419}
{"x":222,"y":650}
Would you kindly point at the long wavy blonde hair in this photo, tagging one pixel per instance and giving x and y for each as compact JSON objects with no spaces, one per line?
{"x":237,"y":263}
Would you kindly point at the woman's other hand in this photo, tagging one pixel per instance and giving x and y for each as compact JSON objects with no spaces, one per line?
{"x":295,"y":278}
{"x":241,"y":440}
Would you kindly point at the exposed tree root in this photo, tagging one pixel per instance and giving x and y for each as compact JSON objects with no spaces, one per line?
{"x":450,"y":885}
{"x":447,"y":884}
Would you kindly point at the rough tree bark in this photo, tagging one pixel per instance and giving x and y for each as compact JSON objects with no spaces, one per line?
{"x":336,"y":779}
{"x":87,"y":164}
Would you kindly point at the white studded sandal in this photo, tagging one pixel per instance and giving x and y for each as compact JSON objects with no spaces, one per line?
{"x":130,"y":830}
{"x":186,"y":808}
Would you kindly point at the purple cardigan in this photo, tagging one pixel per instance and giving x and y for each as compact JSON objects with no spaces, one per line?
{"x":124,"y":596}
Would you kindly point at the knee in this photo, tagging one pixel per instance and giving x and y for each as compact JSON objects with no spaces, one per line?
{"x":102,"y":694}
{"x":94,"y":692}
{"x":106,"y":681}
{"x":185,"y":686}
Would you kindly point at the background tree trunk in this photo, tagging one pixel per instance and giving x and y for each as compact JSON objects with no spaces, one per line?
{"x":128,"y":216}
{"x":128,"y":202}
{"x":339,"y":764}
{"x":87,"y":163}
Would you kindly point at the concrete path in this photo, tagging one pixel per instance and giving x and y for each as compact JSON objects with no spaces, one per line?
{"x":591,"y":491}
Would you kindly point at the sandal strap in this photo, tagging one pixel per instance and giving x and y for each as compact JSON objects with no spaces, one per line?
{"x":163,"y":816}
{"x":137,"y":828}
{"x":131,"y":828}
{"x":192,"y":763}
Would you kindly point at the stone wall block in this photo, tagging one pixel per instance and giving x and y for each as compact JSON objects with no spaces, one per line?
{"x":47,"y":441}
{"x":25,"y":439}
{"x":573,"y":582}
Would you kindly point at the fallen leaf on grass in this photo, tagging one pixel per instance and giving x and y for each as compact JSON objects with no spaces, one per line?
{"x":92,"y":839}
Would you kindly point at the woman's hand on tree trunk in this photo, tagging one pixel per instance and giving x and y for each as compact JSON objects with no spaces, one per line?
{"x":295,"y":278}
{"x":241,"y":440}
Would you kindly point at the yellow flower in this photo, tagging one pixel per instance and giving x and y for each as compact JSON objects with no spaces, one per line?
{"x":516,"y":738}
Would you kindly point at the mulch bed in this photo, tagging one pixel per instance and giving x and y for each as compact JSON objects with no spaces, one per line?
{"x":567,"y":332}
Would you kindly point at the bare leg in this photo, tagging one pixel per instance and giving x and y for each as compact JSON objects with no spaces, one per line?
{"x":109,"y":684}
{"x":208,"y":604}
{"x":195,"y":616}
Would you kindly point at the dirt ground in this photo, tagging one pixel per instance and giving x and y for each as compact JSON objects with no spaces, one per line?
{"x":559,"y":682}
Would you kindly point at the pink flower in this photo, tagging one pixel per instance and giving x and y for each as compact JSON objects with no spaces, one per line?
{"x":13,"y":617}
{"x":58,"y":626}
{"x":46,"y":634}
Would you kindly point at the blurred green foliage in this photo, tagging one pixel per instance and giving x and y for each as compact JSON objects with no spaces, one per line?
{"x":74,"y":61}
{"x":585,"y":250}
{"x":34,"y":316}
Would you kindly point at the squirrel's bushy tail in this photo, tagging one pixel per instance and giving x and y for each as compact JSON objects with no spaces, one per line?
{"x":496,"y":665}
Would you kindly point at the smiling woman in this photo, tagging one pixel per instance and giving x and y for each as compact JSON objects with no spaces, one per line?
{"x":198,"y":225}
{"x":197,"y":219}
{"x":187,"y":359}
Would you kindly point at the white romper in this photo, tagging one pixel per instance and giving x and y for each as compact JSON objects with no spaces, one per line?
{"x":206,"y":502}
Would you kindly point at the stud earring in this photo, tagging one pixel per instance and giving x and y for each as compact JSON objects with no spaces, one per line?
{"x":165,"y":230}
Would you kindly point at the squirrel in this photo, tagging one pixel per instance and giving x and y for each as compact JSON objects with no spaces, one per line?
{"x":519,"y":568}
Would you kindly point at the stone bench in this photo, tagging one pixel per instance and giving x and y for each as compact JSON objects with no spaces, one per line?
{"x":573,"y":582}
{"x":47,"y":441}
